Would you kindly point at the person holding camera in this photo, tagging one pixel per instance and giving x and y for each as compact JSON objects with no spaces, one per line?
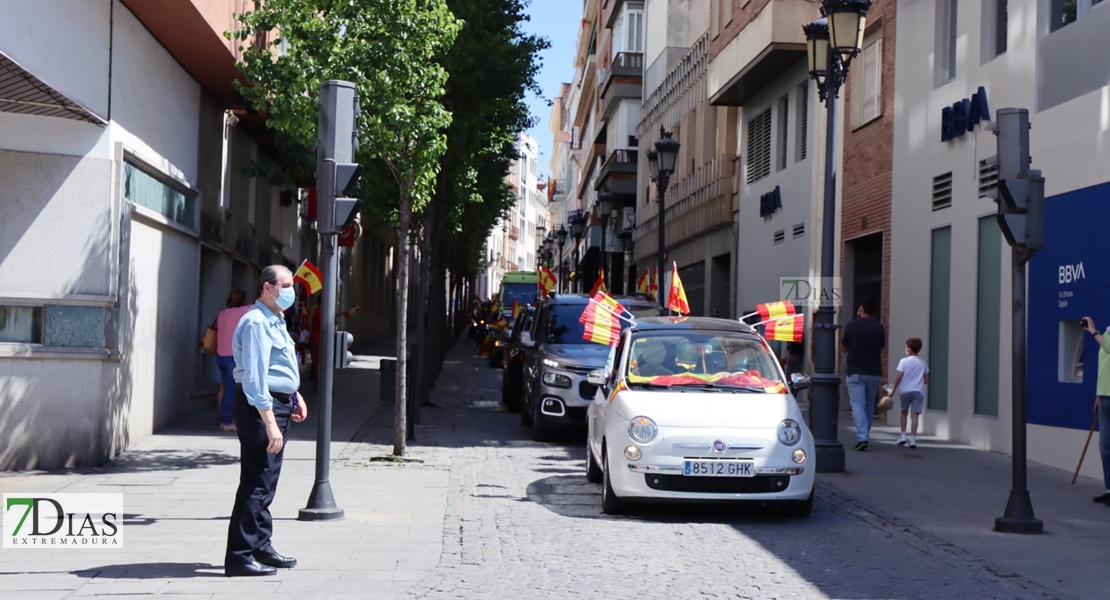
{"x":1102,"y":404}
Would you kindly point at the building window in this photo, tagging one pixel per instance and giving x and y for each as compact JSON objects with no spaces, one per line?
{"x":994,"y":36}
{"x":784,"y":131}
{"x":867,"y":82}
{"x":628,"y":31}
{"x":21,"y":324}
{"x":1066,"y":12}
{"x":940,"y":287}
{"x":759,"y":147}
{"x":987,"y":321}
{"x":174,"y":202}
{"x":946,"y":41}
{"x":802,"y":122}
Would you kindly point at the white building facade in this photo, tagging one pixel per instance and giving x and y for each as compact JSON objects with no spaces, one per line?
{"x":958,"y":61}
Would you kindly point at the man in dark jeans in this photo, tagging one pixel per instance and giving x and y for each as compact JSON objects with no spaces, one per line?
{"x":863,"y":339}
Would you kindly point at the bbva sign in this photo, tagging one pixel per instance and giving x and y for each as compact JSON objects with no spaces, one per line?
{"x":964,"y":115}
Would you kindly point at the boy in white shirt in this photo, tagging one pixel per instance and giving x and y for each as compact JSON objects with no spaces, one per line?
{"x":913,"y":376}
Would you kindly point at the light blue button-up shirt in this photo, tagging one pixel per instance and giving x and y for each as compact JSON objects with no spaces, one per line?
{"x":265,"y":357}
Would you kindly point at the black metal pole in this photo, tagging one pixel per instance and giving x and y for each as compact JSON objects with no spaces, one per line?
{"x":561,"y":261}
{"x":824,"y":394}
{"x":321,"y":502}
{"x":601,"y":259}
{"x":577,"y":242}
{"x":1018,"y":517}
{"x":661,"y":259}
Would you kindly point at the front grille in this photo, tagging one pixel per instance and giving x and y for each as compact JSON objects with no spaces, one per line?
{"x":760,"y":484}
{"x":587,"y":390}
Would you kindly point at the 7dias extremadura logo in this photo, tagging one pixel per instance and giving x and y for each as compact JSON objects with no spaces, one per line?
{"x":63,"y":520}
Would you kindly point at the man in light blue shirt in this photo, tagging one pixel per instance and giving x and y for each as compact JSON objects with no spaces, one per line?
{"x":266,"y":399}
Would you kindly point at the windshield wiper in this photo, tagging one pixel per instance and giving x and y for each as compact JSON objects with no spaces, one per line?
{"x":650,"y":386}
{"x":723,"y":388}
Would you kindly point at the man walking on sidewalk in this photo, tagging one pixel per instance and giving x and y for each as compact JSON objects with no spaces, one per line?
{"x":1102,"y":405}
{"x":266,"y":398}
{"x":863,"y":340}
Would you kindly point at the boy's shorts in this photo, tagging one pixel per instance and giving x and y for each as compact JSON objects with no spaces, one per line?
{"x":912,"y":401}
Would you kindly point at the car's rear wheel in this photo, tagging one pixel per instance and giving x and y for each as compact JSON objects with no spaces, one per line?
{"x":799,"y":508}
{"x":610,"y":503}
{"x":593,"y":470}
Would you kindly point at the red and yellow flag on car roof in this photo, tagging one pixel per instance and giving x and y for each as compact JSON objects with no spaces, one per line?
{"x":487,"y":345}
{"x":602,"y":319}
{"x":643,"y":285}
{"x":782,"y":321}
{"x":774,"y":310}
{"x":677,"y":300}
{"x":547,"y":281}
{"x":517,"y":309}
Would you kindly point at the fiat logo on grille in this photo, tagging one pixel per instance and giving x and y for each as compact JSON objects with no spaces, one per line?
{"x":719,"y":446}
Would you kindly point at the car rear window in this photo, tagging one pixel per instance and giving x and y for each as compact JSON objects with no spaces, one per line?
{"x":563,"y":326}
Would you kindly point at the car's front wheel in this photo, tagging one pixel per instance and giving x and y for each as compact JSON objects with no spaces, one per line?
{"x":593,"y":470}
{"x":525,"y":413}
{"x":610,"y":503}
{"x":799,"y":508}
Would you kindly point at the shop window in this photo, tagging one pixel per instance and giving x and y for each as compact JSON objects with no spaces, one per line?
{"x":174,"y":202}
{"x":940,"y":286}
{"x":1070,"y":352}
{"x":21,"y":324}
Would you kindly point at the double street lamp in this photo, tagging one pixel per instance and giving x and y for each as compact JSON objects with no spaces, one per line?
{"x":662,"y":162}
{"x":832,"y":42}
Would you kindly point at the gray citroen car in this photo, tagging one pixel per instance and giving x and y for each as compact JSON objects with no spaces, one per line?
{"x":558,"y":359}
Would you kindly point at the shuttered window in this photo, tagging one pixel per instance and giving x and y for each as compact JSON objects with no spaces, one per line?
{"x":867,"y":84}
{"x":802,"y":122}
{"x":784,"y":131}
{"x":759,"y":147}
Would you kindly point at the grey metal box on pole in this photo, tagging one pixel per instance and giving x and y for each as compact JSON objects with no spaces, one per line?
{"x":336,"y":172}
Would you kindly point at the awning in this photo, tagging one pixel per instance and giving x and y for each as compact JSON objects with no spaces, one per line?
{"x":23,"y":93}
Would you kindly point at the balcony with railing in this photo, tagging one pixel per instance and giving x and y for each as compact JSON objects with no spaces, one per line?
{"x":623,"y":79}
{"x":618,"y":172}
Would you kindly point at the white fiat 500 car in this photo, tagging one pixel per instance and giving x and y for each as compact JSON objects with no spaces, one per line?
{"x":692,"y":409}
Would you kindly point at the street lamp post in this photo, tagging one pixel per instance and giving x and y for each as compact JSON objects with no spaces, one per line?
{"x":577,"y":228}
{"x":832,"y":42}
{"x":662,"y":162}
{"x":561,"y":235}
{"x":605,"y":203}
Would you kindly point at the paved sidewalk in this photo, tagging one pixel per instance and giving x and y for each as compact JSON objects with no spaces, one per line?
{"x":950,"y":494}
{"x":178,"y":491}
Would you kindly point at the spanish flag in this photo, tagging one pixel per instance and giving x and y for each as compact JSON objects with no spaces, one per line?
{"x":774,"y":310}
{"x":602,"y":319}
{"x":599,"y":285}
{"x":643,"y":285}
{"x":653,"y":289}
{"x":500,"y":323}
{"x":547,"y":281}
{"x":483,"y":352}
{"x":517,"y":309}
{"x":310,"y":277}
{"x":677,"y":300}
{"x":789,"y":329}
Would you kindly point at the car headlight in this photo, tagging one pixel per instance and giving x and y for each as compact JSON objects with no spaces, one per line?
{"x":642,"y":429}
{"x":789,"y":432}
{"x":556,"y":380}
{"x":550,"y":363}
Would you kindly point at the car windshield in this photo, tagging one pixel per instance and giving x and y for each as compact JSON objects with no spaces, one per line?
{"x":563,"y":326}
{"x":524,"y":293}
{"x":712,"y":360}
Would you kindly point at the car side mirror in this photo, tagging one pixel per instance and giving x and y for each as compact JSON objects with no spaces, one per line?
{"x":799,"y":381}
{"x":526,"y":339}
{"x":597,"y":377}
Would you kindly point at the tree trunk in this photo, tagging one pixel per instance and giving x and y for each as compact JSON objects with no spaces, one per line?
{"x":400,"y":422}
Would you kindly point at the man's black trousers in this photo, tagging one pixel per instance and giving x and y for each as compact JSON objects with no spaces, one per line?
{"x":251,"y":525}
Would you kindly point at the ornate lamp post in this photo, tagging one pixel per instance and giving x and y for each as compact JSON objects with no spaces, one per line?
{"x":832,"y":42}
{"x":561,"y":235}
{"x":577,"y":228}
{"x":605,"y":205}
{"x":662,"y":162}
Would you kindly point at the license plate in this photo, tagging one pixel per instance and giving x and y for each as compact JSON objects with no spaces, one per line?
{"x":718,"y":468}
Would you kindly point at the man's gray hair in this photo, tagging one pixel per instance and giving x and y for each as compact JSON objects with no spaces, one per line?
{"x":270,"y":275}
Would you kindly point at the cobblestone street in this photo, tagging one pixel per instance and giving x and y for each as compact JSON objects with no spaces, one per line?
{"x":522,"y":522}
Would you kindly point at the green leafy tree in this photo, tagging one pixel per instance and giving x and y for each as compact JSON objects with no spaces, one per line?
{"x":391,"y":50}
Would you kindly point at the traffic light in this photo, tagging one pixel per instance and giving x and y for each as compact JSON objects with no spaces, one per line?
{"x":343,"y":355}
{"x":337,"y":174}
{"x":1020,"y":194}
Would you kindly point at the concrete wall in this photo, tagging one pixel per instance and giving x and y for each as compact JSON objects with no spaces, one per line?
{"x":1070,"y":144}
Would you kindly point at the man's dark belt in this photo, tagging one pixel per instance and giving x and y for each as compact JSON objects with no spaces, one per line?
{"x":276,"y":395}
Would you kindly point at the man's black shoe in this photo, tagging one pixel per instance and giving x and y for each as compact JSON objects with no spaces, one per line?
{"x":1105,"y":498}
{"x":861,"y":446}
{"x":274,"y":559}
{"x":251,"y":569}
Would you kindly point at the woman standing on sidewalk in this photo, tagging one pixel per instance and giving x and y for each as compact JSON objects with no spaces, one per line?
{"x":1102,"y":405}
{"x":225,"y":326}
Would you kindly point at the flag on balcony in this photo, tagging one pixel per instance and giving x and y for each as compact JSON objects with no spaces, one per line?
{"x":677,"y":300}
{"x":643,"y":285}
{"x":310,"y":277}
{"x":547,"y":281}
{"x":602,"y":319}
{"x":517,"y":309}
{"x":599,"y":285}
